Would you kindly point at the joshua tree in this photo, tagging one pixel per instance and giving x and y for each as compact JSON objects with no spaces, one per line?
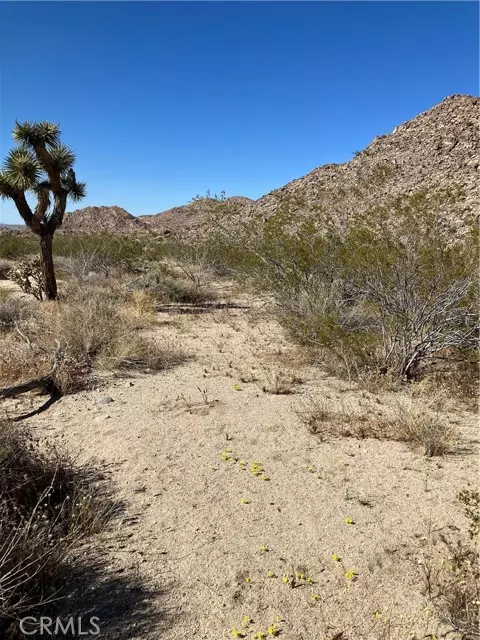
{"x":41,"y":165}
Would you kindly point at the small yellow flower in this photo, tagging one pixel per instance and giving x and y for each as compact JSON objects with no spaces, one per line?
{"x":271,"y":574}
{"x":259,"y":635}
{"x":273,"y":630}
{"x":237,"y":387}
{"x":315,"y":597}
{"x":244,"y":501}
{"x":351,"y":574}
{"x":310,"y":468}
{"x":237,"y":634}
{"x":248,"y":580}
{"x":378,"y":615}
{"x":264,"y":548}
{"x":286,"y":579}
{"x":348,"y":520}
{"x":246,"y":621}
{"x":335,"y":558}
{"x":264,"y":477}
{"x":256,"y":468}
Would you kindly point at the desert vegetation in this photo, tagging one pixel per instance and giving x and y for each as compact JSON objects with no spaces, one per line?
{"x":392,"y":296}
{"x":49,"y":507}
{"x":42,"y":166}
{"x":287,"y":401}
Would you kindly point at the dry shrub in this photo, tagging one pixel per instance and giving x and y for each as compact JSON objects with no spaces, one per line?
{"x":13,"y":310}
{"x":5,"y":268}
{"x":28,"y":275}
{"x":280,"y":383}
{"x":140,"y":309}
{"x":21,"y":361}
{"x":459,"y":589}
{"x":429,"y":431}
{"x":47,"y":506}
{"x":90,"y":326}
{"x":137,"y":353}
{"x":174,"y":285}
{"x":343,"y":423}
{"x":403,"y":424}
{"x":18,"y":362}
{"x":459,"y":384}
{"x":100,"y":325}
{"x":450,"y":567}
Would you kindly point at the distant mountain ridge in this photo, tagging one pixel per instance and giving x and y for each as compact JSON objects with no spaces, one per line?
{"x":438,"y":148}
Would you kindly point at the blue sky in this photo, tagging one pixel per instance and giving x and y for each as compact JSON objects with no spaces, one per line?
{"x":164,"y":100}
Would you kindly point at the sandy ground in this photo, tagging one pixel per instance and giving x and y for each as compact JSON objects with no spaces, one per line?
{"x":204,"y":543}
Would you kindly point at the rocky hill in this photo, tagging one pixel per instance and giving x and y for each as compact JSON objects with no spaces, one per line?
{"x":438,"y":148}
{"x":190,"y":217}
{"x":102,"y":219}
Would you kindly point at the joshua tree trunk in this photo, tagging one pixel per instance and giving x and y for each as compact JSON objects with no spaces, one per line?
{"x":49,"y":280}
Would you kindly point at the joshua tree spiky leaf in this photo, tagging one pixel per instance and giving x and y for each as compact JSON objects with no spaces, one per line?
{"x":33,"y":133}
{"x":21,"y":169}
{"x":62,"y":158}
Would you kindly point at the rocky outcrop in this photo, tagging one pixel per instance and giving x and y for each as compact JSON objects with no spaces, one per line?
{"x":101,"y":219}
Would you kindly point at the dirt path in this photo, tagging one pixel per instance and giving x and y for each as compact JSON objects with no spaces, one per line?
{"x":197,"y":527}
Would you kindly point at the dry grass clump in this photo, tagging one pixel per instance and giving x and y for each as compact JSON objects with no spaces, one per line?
{"x":459,"y":589}
{"x":343,"y":423}
{"x":91,"y":326}
{"x":13,"y":310}
{"x":47,"y":506}
{"x":138,"y":353}
{"x":100,"y":325}
{"x":429,"y":431}
{"x":175,"y":285}
{"x":281,"y":383}
{"x":419,"y":428}
{"x":19,"y":362}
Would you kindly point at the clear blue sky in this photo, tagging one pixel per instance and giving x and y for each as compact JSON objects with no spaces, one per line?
{"x":164,"y":100}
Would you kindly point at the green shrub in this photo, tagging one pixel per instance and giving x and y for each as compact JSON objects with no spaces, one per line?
{"x":387,"y":294}
{"x":17,"y":245}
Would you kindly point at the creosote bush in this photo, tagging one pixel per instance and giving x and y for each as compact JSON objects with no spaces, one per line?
{"x":390,"y":295}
